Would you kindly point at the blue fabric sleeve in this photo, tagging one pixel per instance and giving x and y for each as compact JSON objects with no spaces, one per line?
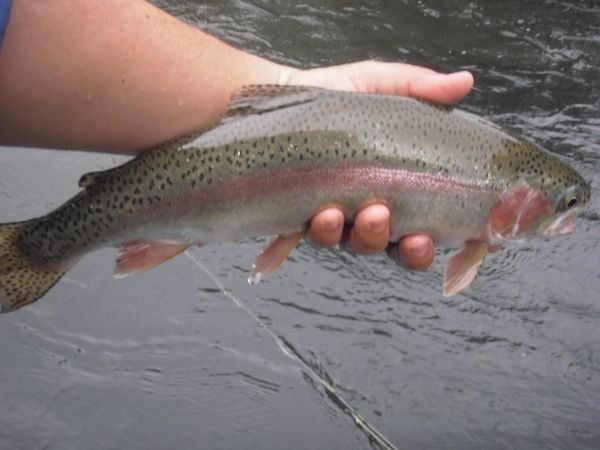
{"x":4,"y":15}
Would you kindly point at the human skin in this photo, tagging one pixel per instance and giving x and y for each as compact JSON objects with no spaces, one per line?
{"x":124,"y":76}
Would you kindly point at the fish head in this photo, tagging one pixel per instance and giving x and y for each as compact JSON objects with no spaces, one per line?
{"x":545,"y":197}
{"x":567,"y":205}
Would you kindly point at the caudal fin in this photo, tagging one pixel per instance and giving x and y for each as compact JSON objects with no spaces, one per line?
{"x":20,"y":284}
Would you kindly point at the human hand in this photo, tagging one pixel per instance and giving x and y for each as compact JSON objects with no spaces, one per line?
{"x":371,"y":229}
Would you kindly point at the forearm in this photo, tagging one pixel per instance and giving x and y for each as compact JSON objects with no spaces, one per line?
{"x":123,"y":75}
{"x":113,"y":75}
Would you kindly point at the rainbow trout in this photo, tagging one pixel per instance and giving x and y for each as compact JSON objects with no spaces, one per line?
{"x":280,"y":155}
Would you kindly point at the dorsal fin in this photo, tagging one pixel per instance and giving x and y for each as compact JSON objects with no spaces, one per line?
{"x":87,"y":179}
{"x":263,"y":98}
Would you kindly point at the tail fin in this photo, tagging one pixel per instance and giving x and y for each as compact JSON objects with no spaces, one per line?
{"x":20,"y":284}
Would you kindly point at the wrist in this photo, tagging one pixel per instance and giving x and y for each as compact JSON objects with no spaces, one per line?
{"x":286,"y":74}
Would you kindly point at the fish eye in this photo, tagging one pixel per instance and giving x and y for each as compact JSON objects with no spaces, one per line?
{"x":569,"y":200}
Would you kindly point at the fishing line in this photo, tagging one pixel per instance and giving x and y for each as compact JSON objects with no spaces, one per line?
{"x":372,"y":433}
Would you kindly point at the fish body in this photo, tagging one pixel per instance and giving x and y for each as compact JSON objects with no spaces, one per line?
{"x":282,"y":154}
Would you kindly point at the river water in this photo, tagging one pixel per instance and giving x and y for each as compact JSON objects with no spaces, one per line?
{"x":335,"y":350}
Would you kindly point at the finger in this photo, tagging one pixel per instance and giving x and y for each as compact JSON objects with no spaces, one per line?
{"x":386,"y":78}
{"x":441,"y":88}
{"x":405,"y":79}
{"x":415,"y":252}
{"x":326,"y":227}
{"x":371,"y":230}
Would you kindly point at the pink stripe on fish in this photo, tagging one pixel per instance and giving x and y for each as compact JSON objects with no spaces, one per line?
{"x":377,"y":181}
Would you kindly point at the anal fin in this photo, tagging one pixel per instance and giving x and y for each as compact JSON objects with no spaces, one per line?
{"x":139,"y":256}
{"x":274,"y":255}
{"x":463,"y":267}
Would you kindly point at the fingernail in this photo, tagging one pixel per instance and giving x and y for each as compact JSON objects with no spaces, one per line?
{"x":446,"y":76}
{"x":460,"y":73}
{"x":377,"y":227}
{"x":332,"y":225}
{"x":419,"y":251}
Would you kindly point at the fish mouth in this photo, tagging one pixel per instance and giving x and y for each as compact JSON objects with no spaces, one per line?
{"x":563,"y":224}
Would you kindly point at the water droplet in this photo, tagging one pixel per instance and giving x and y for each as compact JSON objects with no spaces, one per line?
{"x":255,"y":278}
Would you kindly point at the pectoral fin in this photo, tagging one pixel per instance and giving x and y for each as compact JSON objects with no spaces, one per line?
{"x":274,"y":255}
{"x":462,"y":268}
{"x":139,"y":256}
